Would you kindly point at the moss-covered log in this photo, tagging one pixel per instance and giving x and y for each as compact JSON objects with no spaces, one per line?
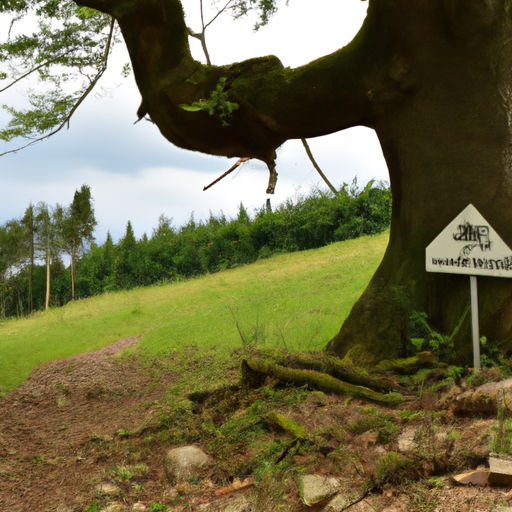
{"x":342,"y":369}
{"x":255,"y":371}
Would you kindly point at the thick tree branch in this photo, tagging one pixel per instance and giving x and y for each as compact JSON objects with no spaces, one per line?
{"x":275,"y":104}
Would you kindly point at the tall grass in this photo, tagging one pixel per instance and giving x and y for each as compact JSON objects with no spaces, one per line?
{"x":297,"y":301}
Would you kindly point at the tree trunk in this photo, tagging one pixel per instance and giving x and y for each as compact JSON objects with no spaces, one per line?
{"x":73,"y":273}
{"x":446,"y":145}
{"x":432,"y":77}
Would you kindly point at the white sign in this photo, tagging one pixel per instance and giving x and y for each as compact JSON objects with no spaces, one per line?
{"x":469,"y":245}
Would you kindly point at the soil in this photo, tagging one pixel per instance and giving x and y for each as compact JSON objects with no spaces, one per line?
{"x":69,"y":428}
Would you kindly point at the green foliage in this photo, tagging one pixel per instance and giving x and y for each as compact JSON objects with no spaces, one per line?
{"x":170,"y":254}
{"x":265,"y":8}
{"x":501,"y":441}
{"x":157,"y":507}
{"x":65,"y":55}
{"x":384,"y":425}
{"x":218,"y":105}
{"x":424,"y":337}
{"x":93,"y":507}
{"x":393,"y":468}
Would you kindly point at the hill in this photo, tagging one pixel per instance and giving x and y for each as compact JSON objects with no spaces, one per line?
{"x":296,"y":301}
{"x":92,"y":430}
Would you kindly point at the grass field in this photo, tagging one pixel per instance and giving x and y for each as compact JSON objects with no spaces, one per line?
{"x":295,"y":301}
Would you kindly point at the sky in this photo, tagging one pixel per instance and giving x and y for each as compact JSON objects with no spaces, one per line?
{"x":136,"y":175}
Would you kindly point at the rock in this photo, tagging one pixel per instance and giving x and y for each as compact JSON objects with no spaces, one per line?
{"x":485,"y":399}
{"x":477,"y":477}
{"x":139,"y":507}
{"x":500,"y":472}
{"x":108,"y":489}
{"x":115,"y":507}
{"x":406,"y":442}
{"x":502,"y":466}
{"x":185,"y":462}
{"x":338,"y":503}
{"x":316,"y":489}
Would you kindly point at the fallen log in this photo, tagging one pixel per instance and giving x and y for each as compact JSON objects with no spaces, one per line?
{"x":254,"y":372}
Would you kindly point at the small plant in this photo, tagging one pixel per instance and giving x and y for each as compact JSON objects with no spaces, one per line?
{"x":455,"y":373}
{"x":122,"y":432}
{"x":429,"y":339}
{"x":122,"y":473}
{"x":394,"y":468}
{"x":93,"y":507}
{"x":385,"y":425}
{"x":218,"y":105}
{"x":502,"y":440}
{"x":256,"y":334}
{"x":157,"y":507}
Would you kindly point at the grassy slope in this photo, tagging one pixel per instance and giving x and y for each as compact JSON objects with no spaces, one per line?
{"x":297,"y":301}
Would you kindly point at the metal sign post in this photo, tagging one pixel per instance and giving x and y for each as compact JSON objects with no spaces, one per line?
{"x":474,"y":322}
{"x":469,"y":245}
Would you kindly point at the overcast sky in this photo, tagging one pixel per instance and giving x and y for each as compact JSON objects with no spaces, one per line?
{"x":136,"y":175}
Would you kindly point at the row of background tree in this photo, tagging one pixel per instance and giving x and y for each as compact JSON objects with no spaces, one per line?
{"x":33,"y":275}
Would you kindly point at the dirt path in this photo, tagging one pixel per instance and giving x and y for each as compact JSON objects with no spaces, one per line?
{"x":49,"y":427}
{"x":65,"y":430}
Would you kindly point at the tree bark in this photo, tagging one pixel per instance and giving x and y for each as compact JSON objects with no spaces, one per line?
{"x":431,"y":77}
{"x":447,"y":144}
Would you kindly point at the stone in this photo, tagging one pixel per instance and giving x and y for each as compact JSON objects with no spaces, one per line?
{"x":477,"y":477}
{"x":184,"y":463}
{"x":337,"y":504}
{"x":406,"y":442}
{"x":139,"y":507}
{"x":316,"y":489}
{"x":501,"y":466}
{"x":108,"y":489}
{"x":115,"y":507}
{"x":485,"y":399}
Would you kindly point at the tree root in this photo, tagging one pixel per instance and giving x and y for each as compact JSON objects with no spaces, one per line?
{"x":343,"y":369}
{"x":255,"y":371}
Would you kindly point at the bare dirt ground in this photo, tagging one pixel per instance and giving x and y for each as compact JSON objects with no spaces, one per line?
{"x":62,"y":433}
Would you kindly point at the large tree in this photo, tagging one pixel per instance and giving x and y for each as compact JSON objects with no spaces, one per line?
{"x":431,"y":77}
{"x":78,"y":228}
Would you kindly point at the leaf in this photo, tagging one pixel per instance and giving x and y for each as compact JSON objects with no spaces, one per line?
{"x":194,"y":107}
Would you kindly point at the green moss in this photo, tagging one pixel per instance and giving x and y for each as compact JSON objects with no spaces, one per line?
{"x":322,"y":382}
{"x":409,"y":365}
{"x":275,"y":419}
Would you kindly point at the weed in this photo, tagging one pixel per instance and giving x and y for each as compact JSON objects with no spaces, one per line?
{"x":410,"y":414}
{"x":255,"y":335}
{"x":123,"y":433}
{"x":157,"y":507}
{"x":138,"y":470}
{"x":385,"y":425}
{"x":501,"y":442}
{"x":394,"y":468}
{"x":62,"y":388}
{"x":93,"y":507}
{"x":122,"y":473}
{"x":38,"y":460}
{"x":426,"y":338}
